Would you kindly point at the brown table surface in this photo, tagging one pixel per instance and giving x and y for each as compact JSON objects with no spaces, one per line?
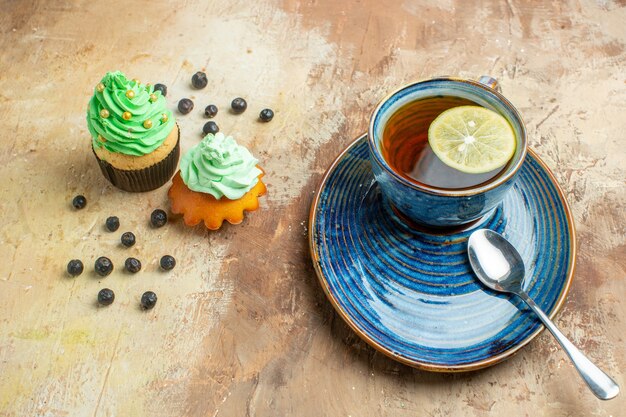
{"x":242,"y":326}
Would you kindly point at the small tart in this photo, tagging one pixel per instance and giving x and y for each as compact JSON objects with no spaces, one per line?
{"x":196,"y":206}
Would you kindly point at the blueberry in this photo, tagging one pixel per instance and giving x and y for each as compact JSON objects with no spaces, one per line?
{"x":132,"y":265}
{"x":103,"y":266}
{"x":210,"y":127}
{"x":106,"y":297}
{"x":199,"y":80}
{"x":266,"y":115}
{"x":185,"y":105}
{"x":148,"y":300}
{"x":210,"y":110}
{"x":158,"y":218}
{"x":128,"y":239}
{"x":79,"y":202}
{"x":162,"y":88}
{"x":112,"y":223}
{"x":167,"y":262}
{"x":239,"y":105}
{"x":75,"y":267}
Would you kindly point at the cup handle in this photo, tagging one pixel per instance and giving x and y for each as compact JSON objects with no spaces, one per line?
{"x":490,"y":82}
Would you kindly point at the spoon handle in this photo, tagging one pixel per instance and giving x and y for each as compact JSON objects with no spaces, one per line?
{"x":600,"y":383}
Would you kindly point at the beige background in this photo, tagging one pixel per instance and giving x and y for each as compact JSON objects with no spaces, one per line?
{"x":242,"y":326}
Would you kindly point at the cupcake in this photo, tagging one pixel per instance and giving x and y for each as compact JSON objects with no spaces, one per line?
{"x":218,"y":180}
{"x":134,"y":136}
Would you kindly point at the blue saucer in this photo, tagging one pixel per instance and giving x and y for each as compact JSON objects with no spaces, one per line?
{"x":411,"y":294}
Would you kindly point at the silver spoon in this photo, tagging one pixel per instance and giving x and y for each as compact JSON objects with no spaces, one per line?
{"x":500,"y":267}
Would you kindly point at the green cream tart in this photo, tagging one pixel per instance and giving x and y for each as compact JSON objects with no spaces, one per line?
{"x":220,"y":167}
{"x":127,"y":117}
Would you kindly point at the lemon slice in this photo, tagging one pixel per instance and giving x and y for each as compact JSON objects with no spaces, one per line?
{"x":472,"y":139}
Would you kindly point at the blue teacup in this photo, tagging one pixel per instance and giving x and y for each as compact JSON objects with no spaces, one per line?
{"x":435,"y":207}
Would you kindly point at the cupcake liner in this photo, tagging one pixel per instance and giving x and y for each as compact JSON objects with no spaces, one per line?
{"x":146,"y":179}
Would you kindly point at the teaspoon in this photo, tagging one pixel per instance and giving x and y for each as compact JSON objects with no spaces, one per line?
{"x":499,"y":266}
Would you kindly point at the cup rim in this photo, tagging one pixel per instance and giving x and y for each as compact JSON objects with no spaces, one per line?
{"x":443,"y":191}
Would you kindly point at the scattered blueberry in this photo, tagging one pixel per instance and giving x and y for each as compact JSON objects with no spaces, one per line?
{"x":199,"y":80}
{"x":210,"y":110}
{"x":167,"y":262}
{"x":132,"y":265}
{"x":148,"y":300}
{"x":103,"y":266}
{"x":266,"y":115}
{"x":79,"y":202}
{"x":210,"y":127}
{"x":239,"y":105}
{"x":185,"y":105}
{"x":128,"y":239}
{"x":75,"y":267}
{"x":112,"y":223}
{"x":162,"y":88}
{"x":106,"y":297}
{"x":158,"y":218}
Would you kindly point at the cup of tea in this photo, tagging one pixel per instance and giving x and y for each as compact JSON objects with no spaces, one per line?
{"x":420,"y":187}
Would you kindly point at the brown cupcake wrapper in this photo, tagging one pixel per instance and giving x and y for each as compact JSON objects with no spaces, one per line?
{"x":146,"y":179}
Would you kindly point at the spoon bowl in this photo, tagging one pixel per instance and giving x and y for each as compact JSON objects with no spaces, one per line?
{"x":495,"y":261}
{"x":499,"y":266}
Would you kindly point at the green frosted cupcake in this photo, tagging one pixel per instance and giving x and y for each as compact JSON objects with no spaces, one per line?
{"x":218,"y":180}
{"x":134,"y":135}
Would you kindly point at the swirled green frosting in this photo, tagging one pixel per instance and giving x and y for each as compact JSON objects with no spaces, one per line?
{"x":220,"y":167}
{"x":134,"y":136}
